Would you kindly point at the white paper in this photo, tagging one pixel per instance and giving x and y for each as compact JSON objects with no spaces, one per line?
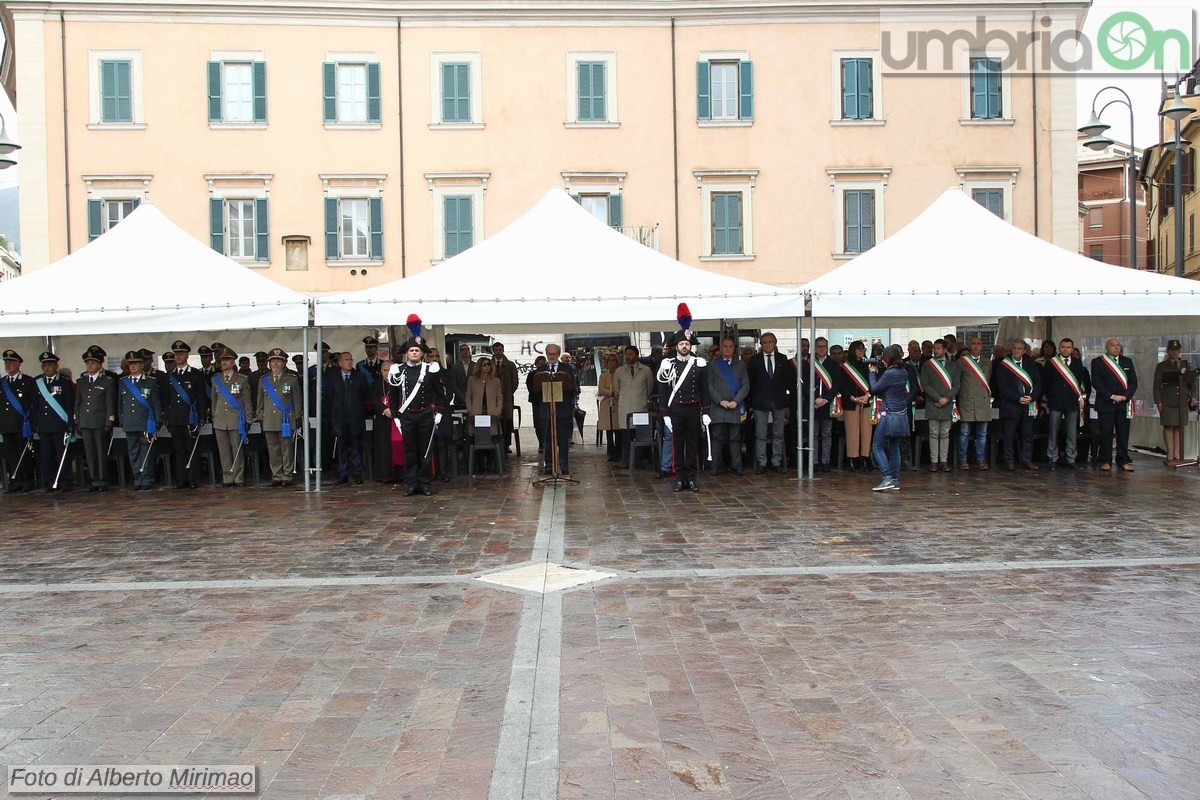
{"x":641,"y":418}
{"x":483,"y":421}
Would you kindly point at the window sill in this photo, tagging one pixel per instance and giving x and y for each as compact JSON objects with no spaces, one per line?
{"x":585,"y":124}
{"x":357,"y":263}
{"x":729,"y":257}
{"x":253,"y":263}
{"x":845,"y":256}
{"x":724,"y":123}
{"x":857,"y":123}
{"x":986,"y":122}
{"x":237,"y":126}
{"x":456,"y":126}
{"x":116,"y":126}
{"x":353,"y":126}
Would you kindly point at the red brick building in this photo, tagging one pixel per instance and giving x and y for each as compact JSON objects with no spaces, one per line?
{"x":1104,"y":193}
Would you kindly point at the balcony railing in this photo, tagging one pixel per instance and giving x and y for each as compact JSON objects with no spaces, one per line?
{"x":643,"y":234}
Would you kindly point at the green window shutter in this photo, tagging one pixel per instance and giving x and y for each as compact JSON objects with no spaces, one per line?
{"x":124,"y":92}
{"x":719,"y":224}
{"x":116,"y":91}
{"x":986,"y":101}
{"x":592,"y":89}
{"x":726,"y":223}
{"x":849,"y":89}
{"x":259,"y":68}
{"x":374,"y":107}
{"x":262,"y":236}
{"x":216,"y":223}
{"x":331,"y":229}
{"x":95,"y":218}
{"x":449,"y":108}
{"x":577,"y":199}
{"x":329,"y":90}
{"x":600,"y":92}
{"x":459,"y":223}
{"x":991,"y":199}
{"x":456,"y":92}
{"x":214,"y":91}
{"x":851,"y":222}
{"x":615,"y":211}
{"x":746,"y":90}
{"x":703,"y":91}
{"x":376,"y":220}
{"x":583,"y":72}
{"x":137,"y":201}
{"x":450,"y":226}
{"x":463,"y":101}
{"x":867,"y":210}
{"x":866,"y":89}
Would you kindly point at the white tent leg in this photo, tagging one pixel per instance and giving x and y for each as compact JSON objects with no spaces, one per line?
{"x":812,"y":398}
{"x":799,"y":402}
{"x":304,"y":404}
{"x":318,"y":437}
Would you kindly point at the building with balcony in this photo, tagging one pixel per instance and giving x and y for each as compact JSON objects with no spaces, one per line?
{"x":338,"y":144}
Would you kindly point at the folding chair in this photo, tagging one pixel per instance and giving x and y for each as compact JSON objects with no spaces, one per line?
{"x":481,"y":427}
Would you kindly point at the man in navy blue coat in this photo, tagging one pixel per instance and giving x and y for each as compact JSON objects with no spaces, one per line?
{"x":53,"y":420}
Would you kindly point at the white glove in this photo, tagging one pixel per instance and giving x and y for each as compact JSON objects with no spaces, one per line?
{"x":437,"y":419}
{"x":667,"y":422}
{"x":707,"y":420}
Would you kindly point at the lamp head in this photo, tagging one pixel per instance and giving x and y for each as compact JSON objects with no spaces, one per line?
{"x":1098,"y":143}
{"x":1178,"y":110}
{"x":1094,"y":126}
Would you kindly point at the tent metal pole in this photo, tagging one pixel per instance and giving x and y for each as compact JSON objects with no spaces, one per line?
{"x":799,"y":401}
{"x":304,"y":404}
{"x":320,"y":427}
{"x":812,"y":398}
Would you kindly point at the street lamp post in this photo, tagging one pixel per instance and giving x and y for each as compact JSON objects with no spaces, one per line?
{"x":7,"y":147}
{"x":1178,"y":111}
{"x":1094,"y":129}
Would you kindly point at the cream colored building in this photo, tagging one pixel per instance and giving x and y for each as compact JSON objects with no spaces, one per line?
{"x":338,"y":144}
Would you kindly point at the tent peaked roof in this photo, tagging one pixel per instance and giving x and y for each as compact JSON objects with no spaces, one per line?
{"x":146,"y":275}
{"x":959,"y":261}
{"x":558,"y":267}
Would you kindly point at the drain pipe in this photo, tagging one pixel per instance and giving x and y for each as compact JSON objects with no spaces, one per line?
{"x":62,"y":30}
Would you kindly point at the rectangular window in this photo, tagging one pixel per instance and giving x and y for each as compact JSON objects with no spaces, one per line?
{"x":991,"y":199}
{"x":458,"y":223}
{"x":116,"y":91}
{"x":727,"y":223}
{"x":238,"y":92}
{"x":593,"y":99}
{"x":858,"y":220}
{"x":351,"y":92}
{"x":986,"y":101}
{"x":596,"y":205}
{"x":115,"y":211}
{"x":355,"y":230}
{"x":239,"y":229}
{"x":1192,"y":233}
{"x":1095,"y":217}
{"x":1096,"y":252}
{"x":857,"y":100}
{"x":724,"y":90}
{"x":456,"y":92}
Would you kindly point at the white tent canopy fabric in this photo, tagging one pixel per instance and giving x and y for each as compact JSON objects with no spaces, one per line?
{"x":959,"y":263}
{"x":557,"y":267}
{"x":116,"y":283}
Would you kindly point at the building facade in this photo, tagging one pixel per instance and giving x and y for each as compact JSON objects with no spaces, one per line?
{"x":1158,"y":177}
{"x":1104,"y":181}
{"x":337,"y":145}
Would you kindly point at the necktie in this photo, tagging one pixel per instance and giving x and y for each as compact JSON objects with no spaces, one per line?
{"x":631,"y":371}
{"x":770,"y":366}
{"x":553,"y":369}
{"x":346,"y":377}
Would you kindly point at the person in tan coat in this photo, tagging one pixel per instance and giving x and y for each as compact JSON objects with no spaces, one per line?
{"x":607,"y":407}
{"x":485,"y":395}
{"x":633,"y":383}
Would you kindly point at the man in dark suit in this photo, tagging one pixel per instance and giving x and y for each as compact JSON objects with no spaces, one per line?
{"x":564,"y":412}
{"x":346,"y":396}
{"x":1066,"y":387}
{"x":1115,"y":382}
{"x":185,"y":407}
{"x":772,"y":376}
{"x":1018,"y":386}
{"x":53,"y":422}
{"x":728,"y":387}
{"x":458,"y":374}
{"x":96,"y":415}
{"x":16,"y":407}
{"x":506,"y":371}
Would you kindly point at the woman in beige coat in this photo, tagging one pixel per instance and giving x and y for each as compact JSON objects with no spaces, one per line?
{"x":485,"y":395}
{"x":607,"y":420}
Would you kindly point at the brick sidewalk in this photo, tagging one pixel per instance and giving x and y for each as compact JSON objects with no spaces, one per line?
{"x":761,"y":639}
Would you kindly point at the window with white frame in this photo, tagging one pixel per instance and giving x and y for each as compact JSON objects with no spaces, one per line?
{"x":239,"y":229}
{"x":237,"y":92}
{"x":991,"y":199}
{"x":726,"y":211}
{"x":1095,"y":217}
{"x":858,"y":194}
{"x":987,"y":87}
{"x":355,"y":229}
{"x":111,"y":198}
{"x":353,"y":218}
{"x":857,"y":88}
{"x":238,"y":217}
{"x":237,"y":89}
{"x":992,"y":187}
{"x":592,"y":89}
{"x":457,"y":211}
{"x":456,"y":88}
{"x":115,"y":83}
{"x":351,"y":90}
{"x":724,"y":88}
{"x":596,"y":205}
{"x":117,"y":210}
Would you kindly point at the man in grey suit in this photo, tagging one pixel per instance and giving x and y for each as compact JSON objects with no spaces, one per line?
{"x":728,"y":386}
{"x":96,"y":415}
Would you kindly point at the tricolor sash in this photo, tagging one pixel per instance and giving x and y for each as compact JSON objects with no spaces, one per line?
{"x":1024,"y":377}
{"x":1064,"y":371}
{"x":823,"y":374}
{"x":193,"y":414}
{"x":26,"y":430}
{"x":219,"y":382}
{"x":277,"y":401}
{"x":1115,"y":366}
{"x":151,"y":422}
{"x":835,"y":408}
{"x":857,"y":378}
{"x":969,"y":363}
{"x":943,"y":376}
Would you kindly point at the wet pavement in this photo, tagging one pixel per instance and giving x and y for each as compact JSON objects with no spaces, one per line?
{"x":972,"y":636}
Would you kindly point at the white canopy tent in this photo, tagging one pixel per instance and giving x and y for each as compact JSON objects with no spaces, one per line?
{"x":959,"y":263}
{"x":557,"y":267}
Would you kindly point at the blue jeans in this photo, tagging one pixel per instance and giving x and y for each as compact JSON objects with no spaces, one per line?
{"x":885,"y":446}
{"x":964,"y":439}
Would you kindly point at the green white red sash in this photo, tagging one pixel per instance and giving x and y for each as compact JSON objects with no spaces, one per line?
{"x":1024,"y":377}
{"x":1065,"y":372}
{"x":859,"y":380}
{"x":973,"y":368}
{"x":1115,"y":366}
{"x":944,"y":377}
{"x":823,"y":374}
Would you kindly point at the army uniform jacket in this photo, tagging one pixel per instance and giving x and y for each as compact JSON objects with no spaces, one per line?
{"x":287,"y":386}
{"x":23,"y":389}
{"x":96,"y":401}
{"x":45,"y":419}
{"x":225,"y":416}
{"x":132,"y":415}
{"x":175,"y":410}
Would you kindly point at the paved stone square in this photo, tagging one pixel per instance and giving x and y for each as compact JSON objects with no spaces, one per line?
{"x":973,"y":636}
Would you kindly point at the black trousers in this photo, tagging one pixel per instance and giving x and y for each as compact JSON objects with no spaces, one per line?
{"x":726,"y":435}
{"x":50,"y":453}
{"x":562,"y":422}
{"x":349,"y":451}
{"x":181,"y":450}
{"x":95,"y":450}
{"x":417,"y":428}
{"x":13,"y":446}
{"x":685,"y":441}
{"x":1110,"y":421}
{"x":1013,"y":427}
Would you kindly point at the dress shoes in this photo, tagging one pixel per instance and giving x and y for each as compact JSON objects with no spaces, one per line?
{"x":1127,"y":468}
{"x":1053,"y":466}
{"x":342,"y":481}
{"x":1106,"y":467}
{"x":692,"y":485}
{"x":412,"y":491}
{"x":1029,"y":466}
{"x":425,"y":490}
{"x":759,"y":469}
{"x":1009,"y":467}
{"x":983,"y":466}
{"x":782,"y":470}
{"x":358,"y":480}
{"x":679,"y":486}
{"x":739,"y":472}
{"x":714,"y":472}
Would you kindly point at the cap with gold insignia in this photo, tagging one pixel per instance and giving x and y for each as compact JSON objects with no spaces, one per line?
{"x":11,"y":355}
{"x":48,"y":357}
{"x":370,"y":341}
{"x":95,"y":353}
{"x":261,"y":354}
{"x":180,"y":346}
{"x":205,"y":350}
{"x":277,"y":353}
{"x":226,"y":353}
{"x":1174,"y":344}
{"x":217,"y":347}
{"x":134,"y":356}
{"x":168,"y":357}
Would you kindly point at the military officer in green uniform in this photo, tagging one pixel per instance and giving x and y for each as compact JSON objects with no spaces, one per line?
{"x":96,"y":415}
{"x":279,"y":403}
{"x":232,"y":413}
{"x":1175,"y":396}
